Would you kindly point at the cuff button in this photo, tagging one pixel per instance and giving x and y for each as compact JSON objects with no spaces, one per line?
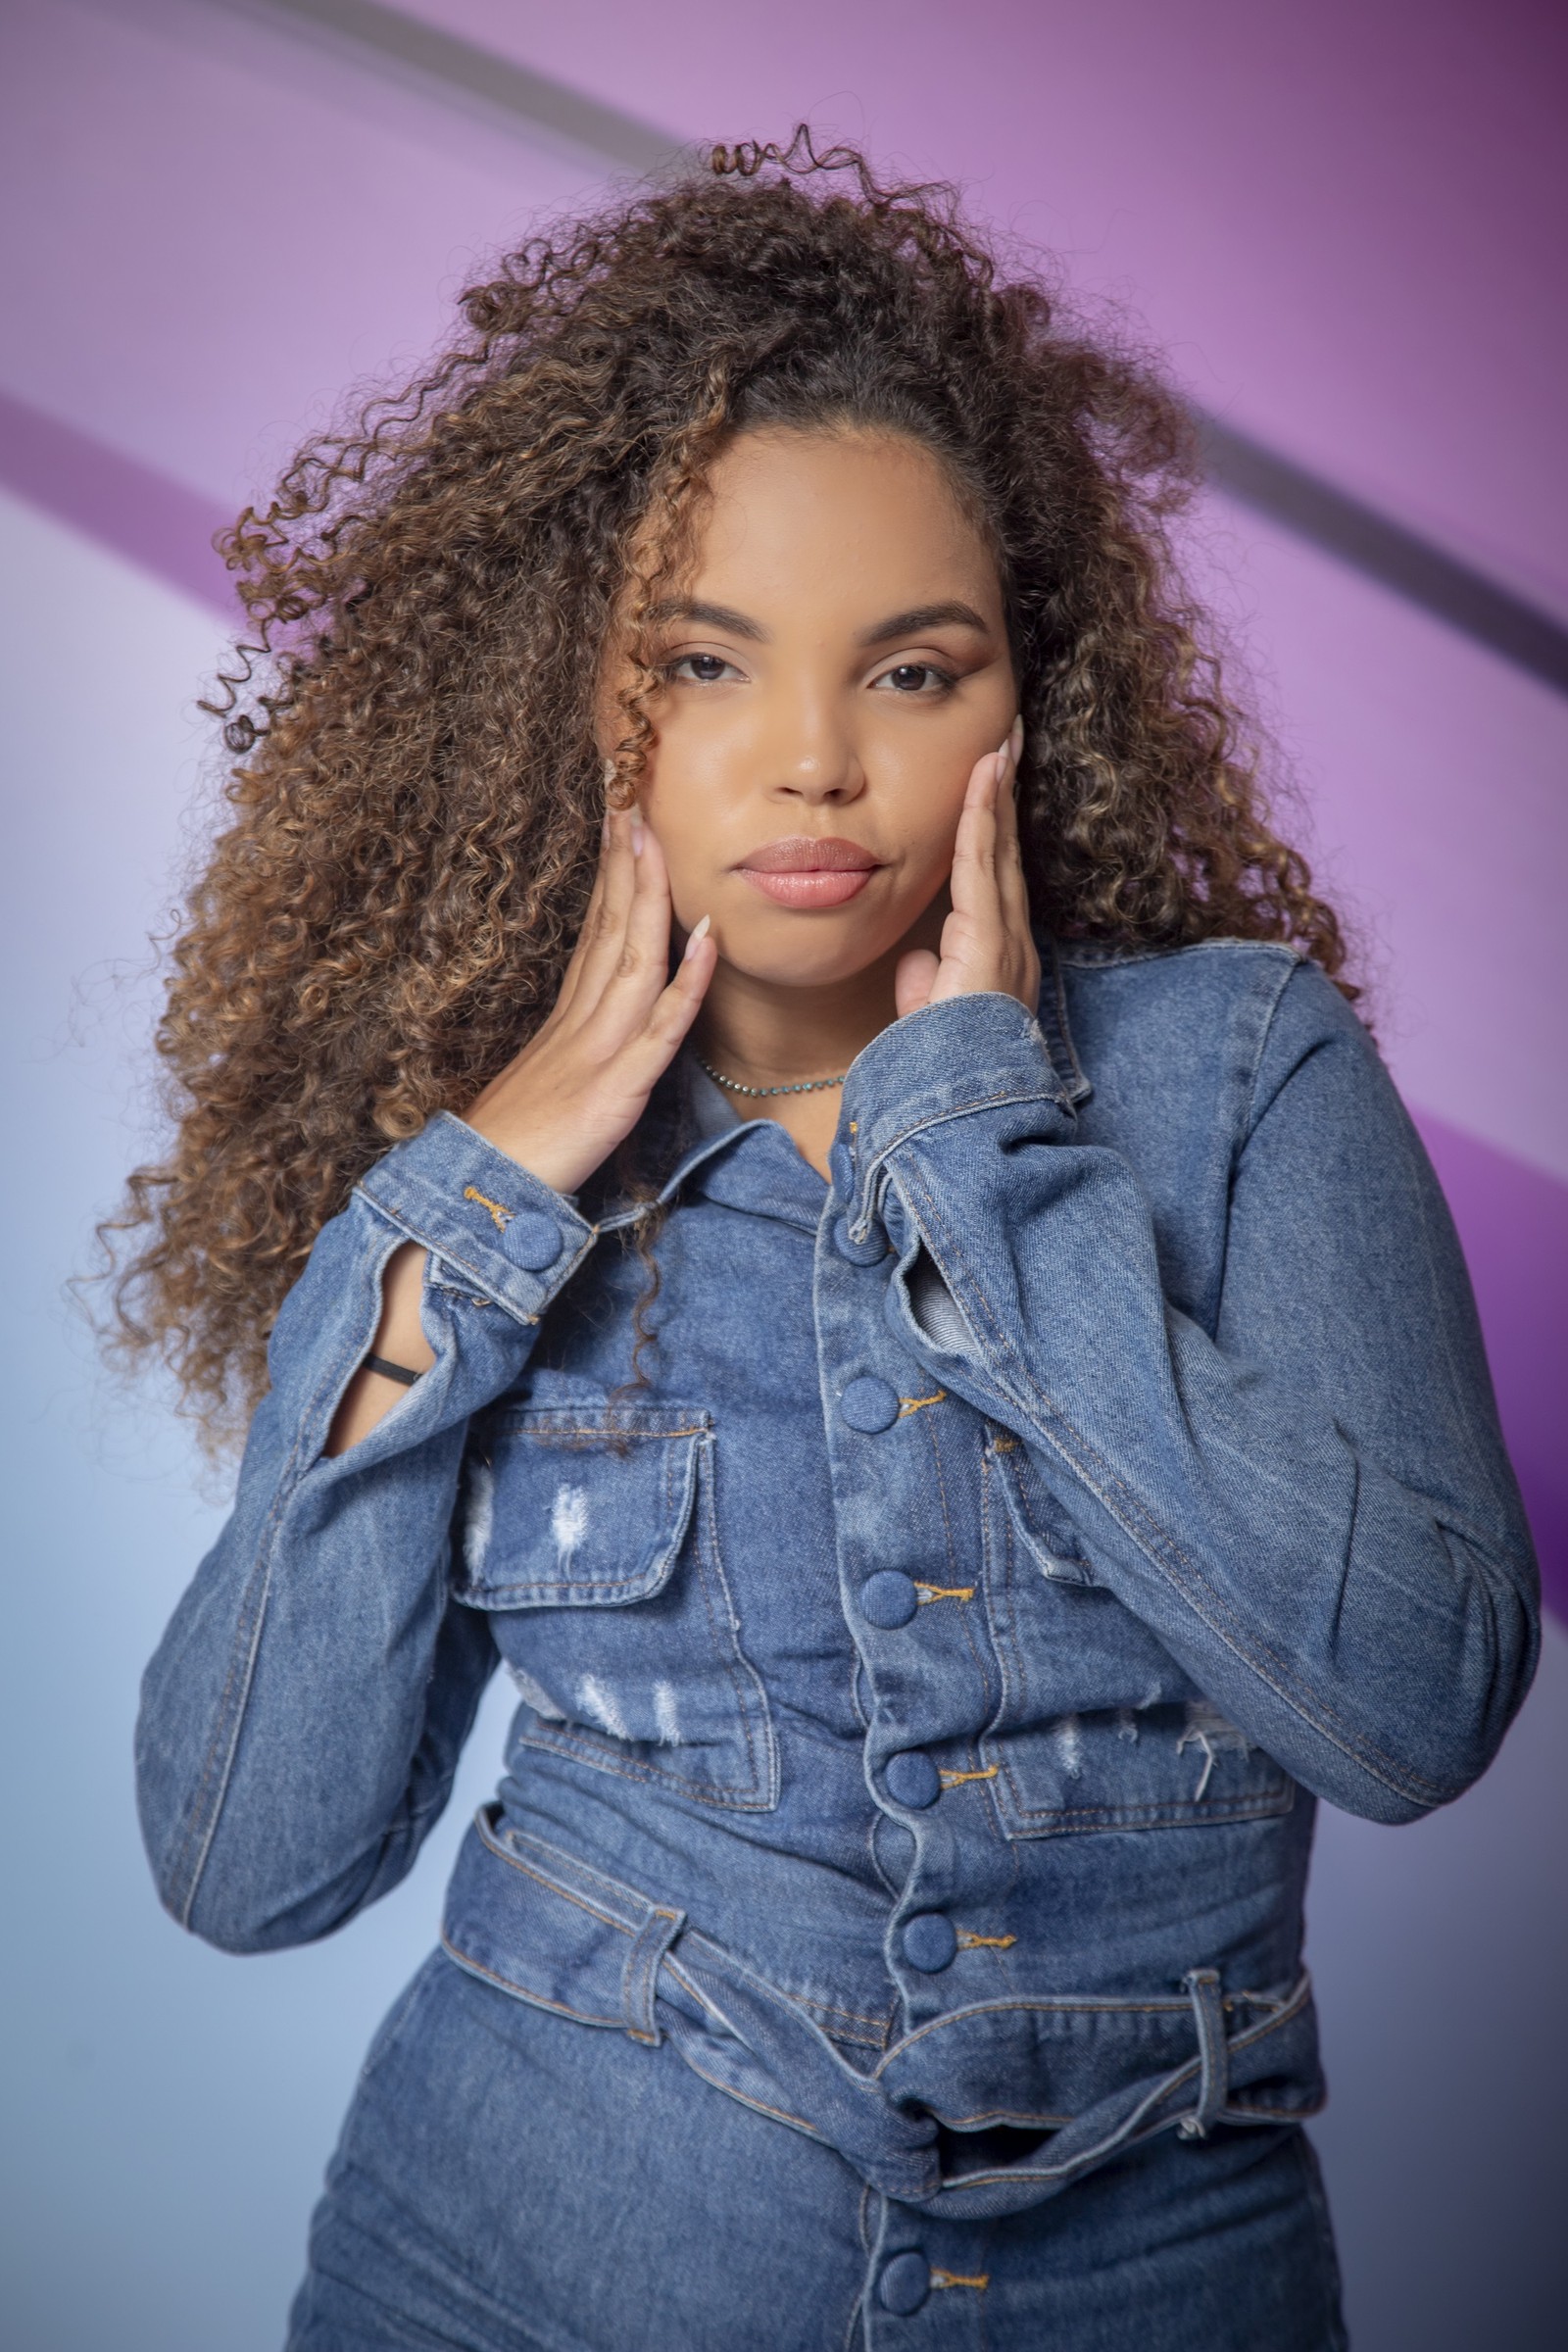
{"x":532,"y":1240}
{"x":868,"y":1253}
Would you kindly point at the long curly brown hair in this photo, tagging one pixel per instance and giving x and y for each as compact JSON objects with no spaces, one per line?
{"x":414,"y":813}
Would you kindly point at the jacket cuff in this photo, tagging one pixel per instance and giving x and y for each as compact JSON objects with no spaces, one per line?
{"x":967,"y":1054}
{"x":503,"y":1231}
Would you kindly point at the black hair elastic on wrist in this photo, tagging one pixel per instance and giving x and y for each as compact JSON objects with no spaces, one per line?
{"x":389,"y":1371}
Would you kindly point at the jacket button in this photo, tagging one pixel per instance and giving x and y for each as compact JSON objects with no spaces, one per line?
{"x":930,"y":1942}
{"x":888,"y":1600}
{"x":912,"y":1780}
{"x":870,"y":1405}
{"x":858,"y":1253}
{"x":532,"y":1240}
{"x":905,"y":2283}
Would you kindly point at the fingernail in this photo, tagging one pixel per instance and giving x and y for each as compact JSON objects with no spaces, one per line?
{"x":1001,"y":765}
{"x":604,"y":830}
{"x":700,"y":932}
{"x":1015,"y":739}
{"x":636,"y":838}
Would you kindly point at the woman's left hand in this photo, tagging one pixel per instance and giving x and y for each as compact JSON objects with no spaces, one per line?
{"x":987,"y":943}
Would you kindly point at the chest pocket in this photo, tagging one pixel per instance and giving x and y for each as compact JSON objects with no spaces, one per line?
{"x":1097,"y":1726}
{"x":590,"y":1536}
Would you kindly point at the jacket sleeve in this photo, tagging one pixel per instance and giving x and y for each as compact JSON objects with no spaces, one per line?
{"x":1309,"y":1503}
{"x":302,"y":1718}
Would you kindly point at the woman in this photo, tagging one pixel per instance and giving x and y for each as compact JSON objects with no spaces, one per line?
{"x":882,"y":1278}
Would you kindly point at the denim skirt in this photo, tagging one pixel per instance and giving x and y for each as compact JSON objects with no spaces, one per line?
{"x":509,"y":2181}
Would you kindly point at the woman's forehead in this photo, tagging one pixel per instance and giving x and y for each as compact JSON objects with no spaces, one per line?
{"x":863,"y":523}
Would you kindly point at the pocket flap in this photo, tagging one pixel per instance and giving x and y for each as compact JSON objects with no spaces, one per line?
{"x":585,"y":1508}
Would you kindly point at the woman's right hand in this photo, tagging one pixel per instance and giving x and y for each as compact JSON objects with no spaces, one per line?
{"x":582,"y":1081}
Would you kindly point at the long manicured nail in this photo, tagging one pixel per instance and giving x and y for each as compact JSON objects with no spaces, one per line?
{"x":1016,"y":740}
{"x":1001,"y":765}
{"x":700,"y":932}
{"x":636,"y":837}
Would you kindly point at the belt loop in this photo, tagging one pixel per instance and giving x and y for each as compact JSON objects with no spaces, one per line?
{"x":1208,"y":2014}
{"x":652,"y":1942}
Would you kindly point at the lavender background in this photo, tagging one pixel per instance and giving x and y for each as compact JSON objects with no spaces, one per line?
{"x":1344,"y":227}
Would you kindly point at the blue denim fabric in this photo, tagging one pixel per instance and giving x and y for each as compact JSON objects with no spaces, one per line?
{"x":636,"y":2211}
{"x":926,"y":1676}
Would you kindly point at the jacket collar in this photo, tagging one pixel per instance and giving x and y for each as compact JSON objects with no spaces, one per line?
{"x":773,"y":1179}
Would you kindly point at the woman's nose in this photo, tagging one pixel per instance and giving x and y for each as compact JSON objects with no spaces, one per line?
{"x":815,"y":757}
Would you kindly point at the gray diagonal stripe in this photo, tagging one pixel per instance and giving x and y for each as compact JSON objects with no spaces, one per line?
{"x":1386,"y":552}
{"x":451,"y":66}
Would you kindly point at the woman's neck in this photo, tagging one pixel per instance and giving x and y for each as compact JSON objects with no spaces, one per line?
{"x":765,"y":1035}
{"x":761,"y":1033}
{"x":773,"y":1033}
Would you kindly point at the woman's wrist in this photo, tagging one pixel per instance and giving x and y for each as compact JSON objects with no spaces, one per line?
{"x":556,"y":1162}
{"x":399,"y":1338}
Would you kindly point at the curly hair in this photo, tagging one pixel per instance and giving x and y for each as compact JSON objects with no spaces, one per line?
{"x":414,"y":812}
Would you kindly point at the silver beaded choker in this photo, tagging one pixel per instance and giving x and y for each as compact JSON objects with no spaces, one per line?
{"x":804,"y":1086}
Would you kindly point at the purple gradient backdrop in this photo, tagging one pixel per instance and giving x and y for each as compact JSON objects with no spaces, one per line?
{"x":1343,"y":226}
{"x":1339,"y":232}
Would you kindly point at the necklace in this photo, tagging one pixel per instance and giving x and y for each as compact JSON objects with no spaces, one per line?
{"x":806,"y":1085}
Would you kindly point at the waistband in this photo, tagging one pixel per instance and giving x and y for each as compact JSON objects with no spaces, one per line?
{"x":1095,"y":2074}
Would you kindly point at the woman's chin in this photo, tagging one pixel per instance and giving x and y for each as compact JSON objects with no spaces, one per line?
{"x":811,"y":965}
{"x":777,"y":947}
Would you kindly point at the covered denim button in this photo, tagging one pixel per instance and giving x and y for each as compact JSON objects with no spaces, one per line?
{"x":888,"y":1600}
{"x":858,"y":1253}
{"x":905,"y":2283}
{"x":870,"y":1405}
{"x":930,"y":1942}
{"x":912,"y":1780}
{"x":532,"y":1240}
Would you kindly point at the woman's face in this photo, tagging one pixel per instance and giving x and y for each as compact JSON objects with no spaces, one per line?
{"x":832,"y":670}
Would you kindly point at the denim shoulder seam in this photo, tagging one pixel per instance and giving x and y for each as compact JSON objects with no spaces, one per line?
{"x":1266,"y":1030}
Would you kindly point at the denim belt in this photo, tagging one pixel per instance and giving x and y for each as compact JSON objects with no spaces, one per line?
{"x":1092,"y":2076}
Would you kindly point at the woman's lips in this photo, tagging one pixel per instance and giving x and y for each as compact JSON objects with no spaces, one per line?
{"x":808,"y":875}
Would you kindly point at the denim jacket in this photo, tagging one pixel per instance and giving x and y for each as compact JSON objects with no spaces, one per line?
{"x":926,"y":1670}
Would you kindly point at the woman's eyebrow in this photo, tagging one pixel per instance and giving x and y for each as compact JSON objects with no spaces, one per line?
{"x":924,"y":617}
{"x":716,"y":616}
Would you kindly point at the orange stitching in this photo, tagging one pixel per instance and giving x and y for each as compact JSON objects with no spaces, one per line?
{"x":476,"y":1968}
{"x":554,"y":1887}
{"x":502,"y":1217}
{"x":761,"y":2106}
{"x":1007,"y":2115}
{"x":986,"y":1943}
{"x":943,"y":1592}
{"x":980,"y":2281}
{"x":1090,"y":2004}
{"x":956,"y":1780}
{"x":913,"y":1405}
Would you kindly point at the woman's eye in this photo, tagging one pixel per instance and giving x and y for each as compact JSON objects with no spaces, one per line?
{"x":915,"y":678}
{"x":702,"y":669}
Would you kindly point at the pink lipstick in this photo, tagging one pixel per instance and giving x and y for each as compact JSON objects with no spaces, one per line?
{"x":804,"y":874}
